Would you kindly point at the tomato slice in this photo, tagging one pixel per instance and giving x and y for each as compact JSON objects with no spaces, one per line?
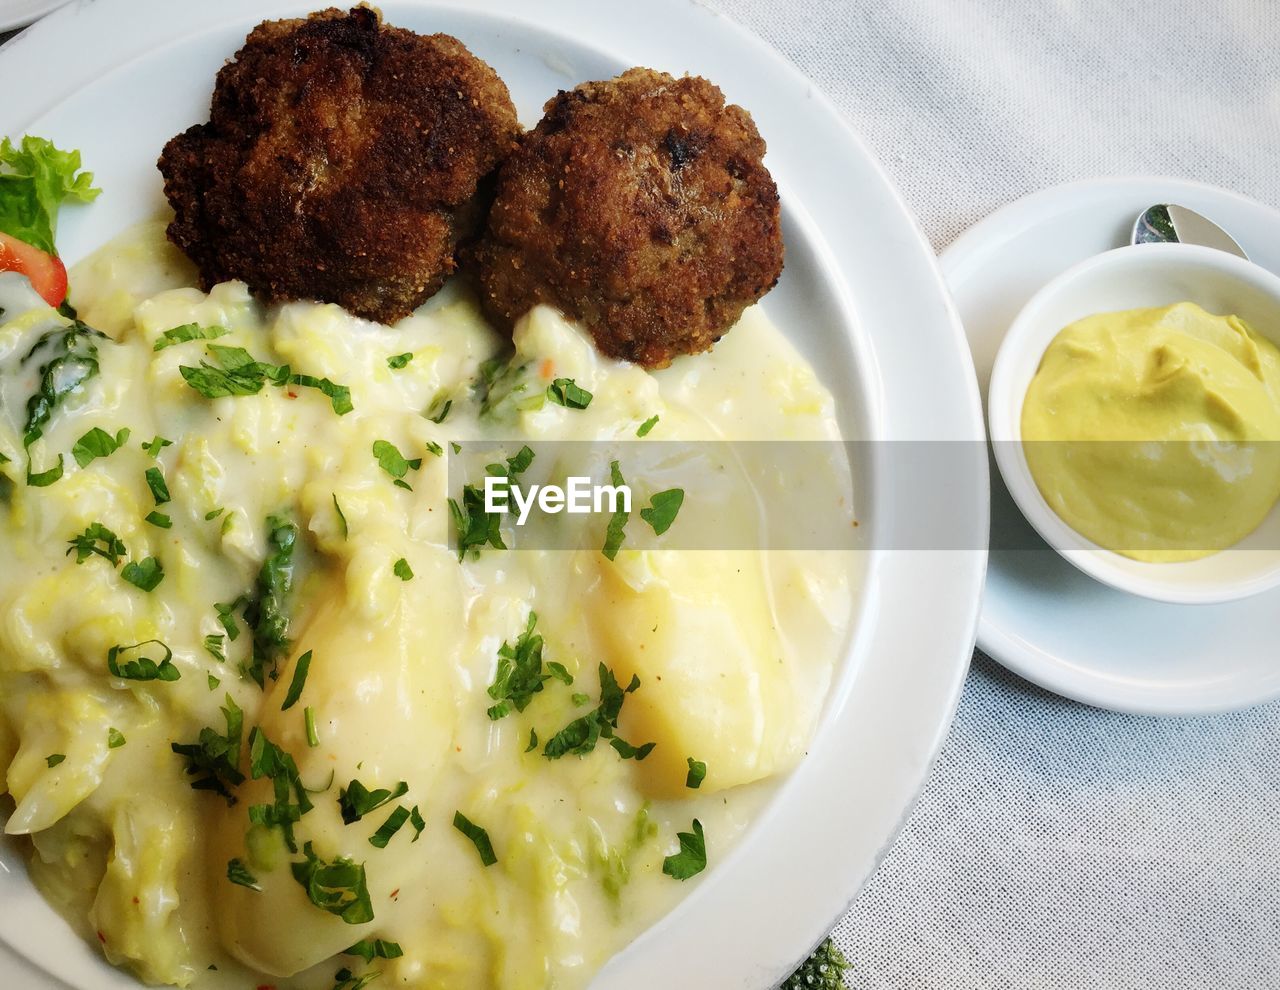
{"x":47,"y":273}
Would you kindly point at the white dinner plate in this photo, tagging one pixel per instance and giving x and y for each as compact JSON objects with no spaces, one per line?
{"x":16,"y":13}
{"x":1041,"y":617}
{"x":861,"y":297}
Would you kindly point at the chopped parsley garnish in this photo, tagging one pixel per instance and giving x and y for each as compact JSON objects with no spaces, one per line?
{"x":434,"y":448}
{"x":416,"y":821}
{"x":398,"y":361}
{"x":265,"y":614}
{"x":156,"y":482}
{"x":214,"y":759}
{"x":580,"y":736}
{"x":186,"y":332}
{"x":568,"y":393}
{"x":342,"y":519}
{"x":579,"y":699}
{"x":662,"y":510}
{"x":214,"y":682}
{"x":533,"y":741}
{"x":97,"y":539}
{"x":155,"y":445}
{"x":299,"y":681}
{"x":338,"y":887}
{"x":240,"y":374}
{"x":74,"y":361}
{"x":394,"y":463}
{"x":226,"y":615}
{"x":238,"y":873}
{"x":213,"y":646}
{"x":142,"y":668}
{"x":519,"y":675}
{"x":697,"y":774}
{"x":158,"y":519}
{"x":475,"y":527}
{"x":478,"y":836}
{"x":402,"y":570}
{"x":214,"y":513}
{"x":370,"y":949}
{"x":355,"y":800}
{"x":266,"y":759}
{"x":53,"y":759}
{"x":145,"y":574}
{"x":439,"y":409}
{"x":309,"y":721}
{"x":98,"y":443}
{"x":390,"y":827}
{"x":646,"y":426}
{"x":346,"y":980}
{"x":115,"y":739}
{"x":614,"y":534}
{"x":692,"y":857}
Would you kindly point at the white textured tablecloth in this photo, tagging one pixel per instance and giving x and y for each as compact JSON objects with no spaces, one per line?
{"x":1057,"y":846}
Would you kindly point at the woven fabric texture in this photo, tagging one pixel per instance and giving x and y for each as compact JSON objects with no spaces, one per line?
{"x":1057,"y":846}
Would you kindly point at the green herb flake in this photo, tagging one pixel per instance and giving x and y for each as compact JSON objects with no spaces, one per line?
{"x":97,"y":443}
{"x":519,"y":674}
{"x":299,"y":681}
{"x":646,"y":426}
{"x":115,"y":739}
{"x":661,"y":513}
{"x":370,"y":949}
{"x":346,"y":980}
{"x":402,"y":570}
{"x":213,"y":760}
{"x":266,"y":613}
{"x":145,"y":574}
{"x":615,"y":533}
{"x":566,"y":392}
{"x":417,"y":822}
{"x":434,"y":448}
{"x":186,"y":332}
{"x":581,"y":735}
{"x":339,"y":395}
{"x":398,"y":361}
{"x":692,"y":857}
{"x":390,"y":827}
{"x":213,"y":644}
{"x":226,"y":615}
{"x":74,"y":362}
{"x":97,"y":539}
{"x":214,"y":513}
{"x":533,"y":741}
{"x":155,"y":445}
{"x":143,"y":668}
{"x":238,"y":873}
{"x":43,"y":479}
{"x":478,"y":836}
{"x":309,"y":721}
{"x":355,"y":800}
{"x":438,"y":411}
{"x":342,"y":519}
{"x":476,"y":528}
{"x":579,"y":699}
{"x":214,"y":682}
{"x":158,"y":519}
{"x":266,"y":759}
{"x":338,"y":887}
{"x":53,"y":759}
{"x":394,"y":463}
{"x":156,"y":482}
{"x":697,"y":774}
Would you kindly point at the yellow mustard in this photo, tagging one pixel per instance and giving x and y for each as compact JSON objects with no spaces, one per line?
{"x":1156,"y":432}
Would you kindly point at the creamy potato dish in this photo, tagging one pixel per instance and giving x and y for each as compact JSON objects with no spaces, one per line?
{"x":262,"y":723}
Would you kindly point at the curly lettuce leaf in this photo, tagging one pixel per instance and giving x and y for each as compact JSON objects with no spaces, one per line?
{"x":35,"y":179}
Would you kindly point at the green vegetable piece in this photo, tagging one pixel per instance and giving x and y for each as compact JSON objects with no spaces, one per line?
{"x":355,"y":800}
{"x":394,"y":463}
{"x":309,"y":721}
{"x":338,"y":887}
{"x":43,"y":479}
{"x":402,"y":570}
{"x":35,"y":179}
{"x":143,"y":668}
{"x":266,"y":613}
{"x":186,"y":332}
{"x":156,"y":482}
{"x":581,"y":735}
{"x":53,"y":759}
{"x":238,"y":873}
{"x":299,"y":681}
{"x":214,"y":758}
{"x":97,"y":443}
{"x":697,"y":774}
{"x":73,"y":362}
{"x":97,"y":540}
{"x":155,"y":445}
{"x":566,"y":392}
{"x":478,"y":836}
{"x":398,"y":361}
{"x":115,"y":739}
{"x":370,"y":949}
{"x":646,"y":426}
{"x":692,"y":857}
{"x":158,"y":519}
{"x":145,"y":574}
{"x":662,"y":510}
{"x":533,"y":741}
{"x":474,"y":527}
{"x":213,"y":645}
{"x":390,"y":827}
{"x":266,"y":759}
{"x":615,"y":533}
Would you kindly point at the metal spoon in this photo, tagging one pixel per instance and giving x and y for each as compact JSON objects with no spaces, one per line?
{"x":1166,"y":223}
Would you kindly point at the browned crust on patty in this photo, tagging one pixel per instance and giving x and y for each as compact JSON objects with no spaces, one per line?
{"x":641,"y":207}
{"x":340,"y":162}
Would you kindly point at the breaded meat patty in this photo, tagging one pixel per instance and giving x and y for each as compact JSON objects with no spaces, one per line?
{"x":340,"y":162}
{"x":641,"y":207}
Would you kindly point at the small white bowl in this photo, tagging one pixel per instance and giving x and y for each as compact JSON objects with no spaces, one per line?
{"x":1145,"y":275}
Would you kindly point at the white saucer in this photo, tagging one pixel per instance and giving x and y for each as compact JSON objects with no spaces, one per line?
{"x":1041,"y":617}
